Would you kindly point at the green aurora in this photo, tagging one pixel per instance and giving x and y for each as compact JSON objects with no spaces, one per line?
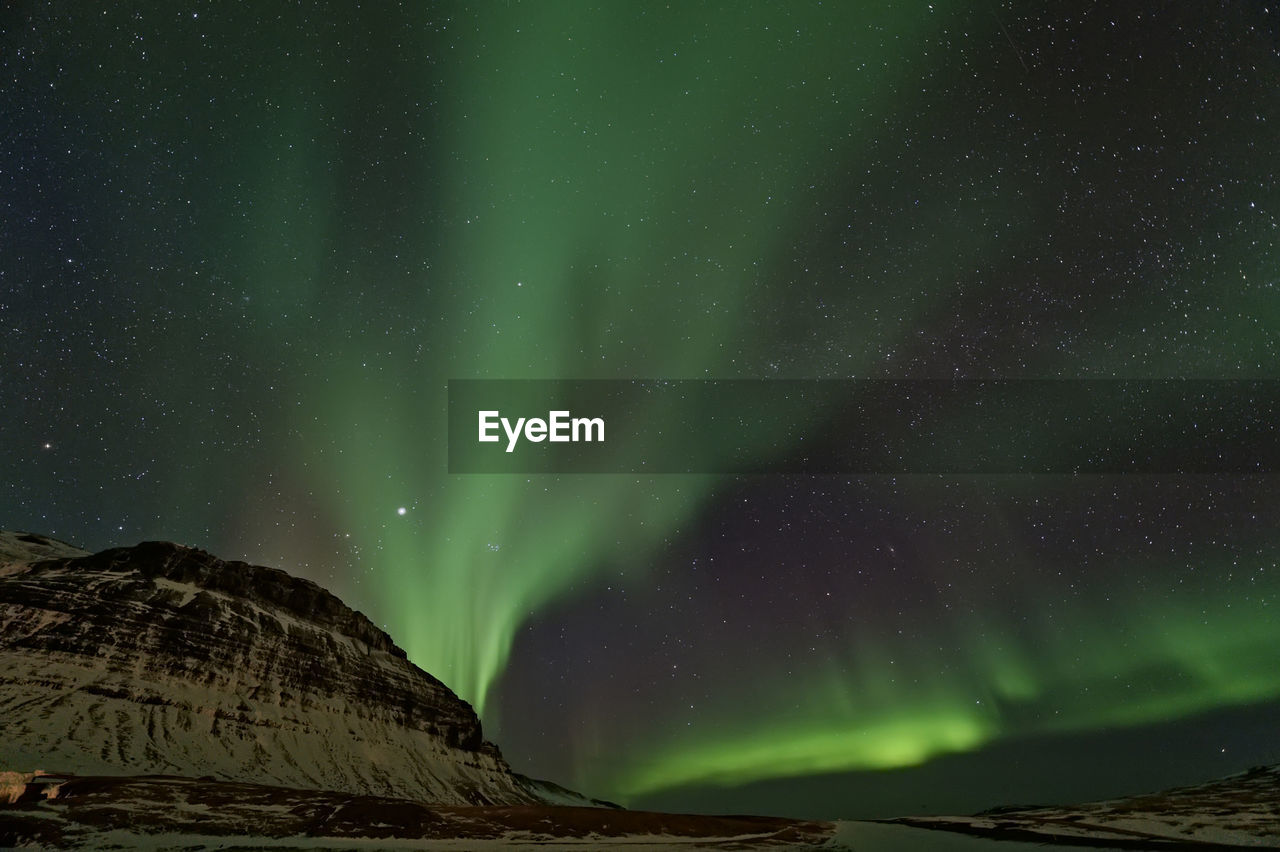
{"x":287,"y":233}
{"x":561,"y":181}
{"x":892,"y":705}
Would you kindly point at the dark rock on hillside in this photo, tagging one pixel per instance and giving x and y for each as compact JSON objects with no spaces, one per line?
{"x":165,"y":659}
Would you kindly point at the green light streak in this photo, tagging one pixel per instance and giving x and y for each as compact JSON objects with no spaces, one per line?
{"x":317,"y":220}
{"x":896,"y":740}
{"x":1138,"y":659}
{"x":615,"y":192}
{"x":591,"y":185}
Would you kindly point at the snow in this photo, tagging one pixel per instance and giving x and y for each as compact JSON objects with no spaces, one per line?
{"x":105,"y":710}
{"x":187,"y":591}
{"x":880,"y":837}
{"x":19,"y":548}
{"x":1237,"y":811}
{"x":12,"y":785}
{"x":172,"y":724}
{"x":118,"y":839}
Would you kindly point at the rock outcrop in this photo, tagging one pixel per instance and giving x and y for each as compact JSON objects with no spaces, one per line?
{"x":164,"y":659}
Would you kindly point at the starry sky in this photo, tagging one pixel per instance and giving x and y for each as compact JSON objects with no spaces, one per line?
{"x":243,"y":248}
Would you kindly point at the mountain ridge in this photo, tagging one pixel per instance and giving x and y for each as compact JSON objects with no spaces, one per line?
{"x":162,"y":658}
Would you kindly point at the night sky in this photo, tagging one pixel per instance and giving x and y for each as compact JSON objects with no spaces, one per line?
{"x":244,"y":247}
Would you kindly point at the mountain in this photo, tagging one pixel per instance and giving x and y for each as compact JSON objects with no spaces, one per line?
{"x":174,"y":700}
{"x":157,"y":697}
{"x":1230,"y":813}
{"x":164,"y":659}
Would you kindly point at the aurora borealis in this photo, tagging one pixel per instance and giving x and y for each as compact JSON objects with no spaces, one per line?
{"x":244,"y":248}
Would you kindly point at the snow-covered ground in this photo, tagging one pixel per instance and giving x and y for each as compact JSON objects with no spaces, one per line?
{"x":1239,"y":811}
{"x":515,"y":841}
{"x":99,"y":813}
{"x":881,"y":837}
{"x":159,"y":812}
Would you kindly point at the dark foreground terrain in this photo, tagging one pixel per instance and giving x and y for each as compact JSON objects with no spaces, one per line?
{"x":1242,"y":811}
{"x":169,"y":812}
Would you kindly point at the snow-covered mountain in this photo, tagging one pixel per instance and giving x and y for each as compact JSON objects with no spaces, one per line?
{"x":161,"y":658}
{"x":178,"y":701}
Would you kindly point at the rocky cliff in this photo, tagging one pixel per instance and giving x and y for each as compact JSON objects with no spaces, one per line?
{"x":164,"y":659}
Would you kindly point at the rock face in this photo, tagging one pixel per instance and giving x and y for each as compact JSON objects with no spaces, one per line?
{"x":164,"y":659}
